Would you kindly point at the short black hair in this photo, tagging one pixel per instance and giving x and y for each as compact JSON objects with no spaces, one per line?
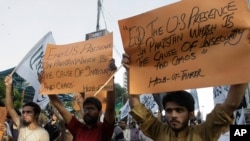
{"x":182,"y":98}
{"x":93,"y":100}
{"x":36,"y":107}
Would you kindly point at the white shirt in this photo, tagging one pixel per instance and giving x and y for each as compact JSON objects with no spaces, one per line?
{"x":39,"y":134}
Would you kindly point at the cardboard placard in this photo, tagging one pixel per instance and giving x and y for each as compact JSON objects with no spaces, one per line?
{"x":204,"y":43}
{"x":77,"y":67}
{"x":3,"y":113}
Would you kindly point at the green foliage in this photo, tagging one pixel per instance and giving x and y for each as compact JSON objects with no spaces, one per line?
{"x":2,"y":90}
{"x":121,"y":97}
{"x":16,"y":96}
{"x":68,"y":104}
{"x":119,"y":91}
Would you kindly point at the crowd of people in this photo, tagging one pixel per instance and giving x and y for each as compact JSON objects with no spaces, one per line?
{"x":179,"y":107}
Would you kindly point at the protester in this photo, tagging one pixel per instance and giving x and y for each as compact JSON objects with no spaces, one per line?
{"x":5,"y":131}
{"x":14,"y":129}
{"x":118,"y":133}
{"x":134,"y":131}
{"x":27,"y":124}
{"x":143,"y":137}
{"x":130,"y":132}
{"x":53,"y":128}
{"x":65,"y":134}
{"x":179,"y":107}
{"x":6,"y":136}
{"x":92,"y":129}
{"x":8,"y":124}
{"x":125,"y":129}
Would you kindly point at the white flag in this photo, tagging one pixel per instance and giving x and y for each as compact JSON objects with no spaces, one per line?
{"x":240,"y":117}
{"x":150,"y":103}
{"x":31,"y":66}
{"x":125,"y":109}
{"x":220,"y":94}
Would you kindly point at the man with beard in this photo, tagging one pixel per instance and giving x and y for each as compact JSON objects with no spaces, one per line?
{"x":91,"y":129}
{"x":179,"y":108}
{"x":27,"y":123}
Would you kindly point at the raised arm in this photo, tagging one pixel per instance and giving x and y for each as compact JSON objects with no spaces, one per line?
{"x":133,"y":99}
{"x":234,"y":98}
{"x":9,"y":103}
{"x":67,"y":116}
{"x":110,"y":107}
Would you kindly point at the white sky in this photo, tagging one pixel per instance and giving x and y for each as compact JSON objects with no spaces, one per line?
{"x":24,"y":22}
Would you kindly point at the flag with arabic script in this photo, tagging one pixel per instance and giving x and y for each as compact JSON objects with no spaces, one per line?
{"x":31,"y":66}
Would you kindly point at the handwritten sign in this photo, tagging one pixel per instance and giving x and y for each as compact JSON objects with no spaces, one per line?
{"x":3,"y":113}
{"x":203,"y":44}
{"x":77,"y":67}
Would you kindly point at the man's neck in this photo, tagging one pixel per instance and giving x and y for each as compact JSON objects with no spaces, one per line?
{"x":32,"y":126}
{"x":91,"y":125}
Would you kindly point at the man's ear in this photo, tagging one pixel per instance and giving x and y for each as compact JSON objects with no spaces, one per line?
{"x":191,"y":115}
{"x":100,"y":114}
{"x":37,"y":118}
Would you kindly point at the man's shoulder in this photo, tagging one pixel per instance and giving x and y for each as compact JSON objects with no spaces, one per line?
{"x":41,"y":129}
{"x":117,"y":128}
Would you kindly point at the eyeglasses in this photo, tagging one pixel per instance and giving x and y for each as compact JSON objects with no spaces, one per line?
{"x":88,"y":109}
{"x":28,"y":112}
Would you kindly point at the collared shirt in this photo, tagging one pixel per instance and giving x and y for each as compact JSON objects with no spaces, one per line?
{"x":210,"y":130}
{"x":100,"y":132}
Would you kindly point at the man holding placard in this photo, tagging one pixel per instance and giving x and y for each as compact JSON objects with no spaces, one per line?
{"x":179,"y":107}
{"x":92,"y":129}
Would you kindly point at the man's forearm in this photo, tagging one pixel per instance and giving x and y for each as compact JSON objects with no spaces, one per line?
{"x":234,"y":97}
{"x":9,"y":103}
{"x":110,"y":108}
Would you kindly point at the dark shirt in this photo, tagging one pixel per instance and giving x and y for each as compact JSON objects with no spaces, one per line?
{"x":100,"y":132}
{"x":118,"y":134}
{"x":53,"y":130}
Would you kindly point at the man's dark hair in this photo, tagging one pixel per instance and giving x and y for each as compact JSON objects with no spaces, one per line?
{"x":93,"y":100}
{"x":36,"y":107}
{"x":182,"y":98}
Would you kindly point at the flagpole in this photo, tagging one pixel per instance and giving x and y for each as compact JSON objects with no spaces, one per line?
{"x":107,"y":81}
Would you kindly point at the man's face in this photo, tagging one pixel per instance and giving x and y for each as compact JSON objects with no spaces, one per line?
{"x":54,"y":117}
{"x":123,"y":124}
{"x":90,"y":114}
{"x":28,"y":115}
{"x":177,"y":116}
{"x":133,"y":125}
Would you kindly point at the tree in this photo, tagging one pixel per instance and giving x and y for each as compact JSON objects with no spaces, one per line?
{"x":121,"y":92}
{"x":2,"y":91}
{"x":17,"y":97}
{"x":121,"y":96}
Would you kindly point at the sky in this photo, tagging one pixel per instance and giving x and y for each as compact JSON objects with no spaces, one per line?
{"x":24,"y":22}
